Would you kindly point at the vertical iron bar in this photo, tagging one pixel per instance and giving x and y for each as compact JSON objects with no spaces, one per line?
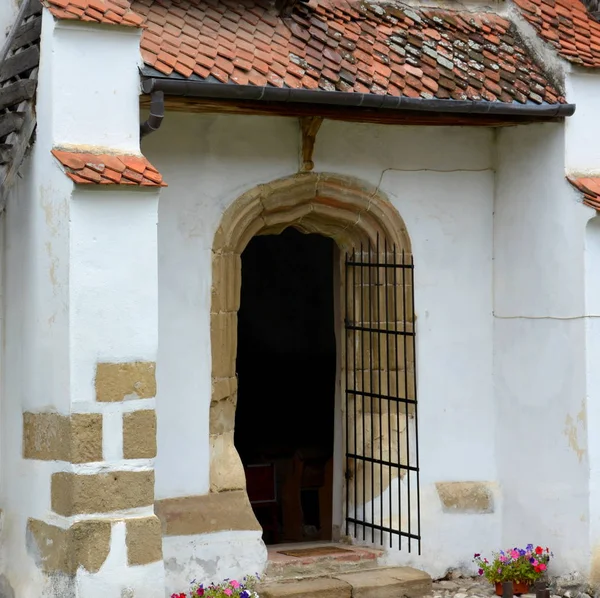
{"x":346,"y":359}
{"x":389,"y":388}
{"x":414,"y":344}
{"x":369,"y":261}
{"x":355,"y":363}
{"x":362,"y":365}
{"x":404,"y":325}
{"x":397,"y":380}
{"x":380,"y":389}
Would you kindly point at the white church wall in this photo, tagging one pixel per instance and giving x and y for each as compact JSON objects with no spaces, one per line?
{"x":441,"y":180}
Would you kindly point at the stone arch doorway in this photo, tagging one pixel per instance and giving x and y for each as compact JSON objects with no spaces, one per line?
{"x":354,"y":215}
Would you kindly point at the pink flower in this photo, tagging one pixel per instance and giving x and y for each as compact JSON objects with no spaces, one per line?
{"x":543,"y":567}
{"x":227,"y":591}
{"x":535,"y":563}
{"x":234,"y":584}
{"x":503,"y":559}
{"x":514,"y":554}
{"x":480,"y":571}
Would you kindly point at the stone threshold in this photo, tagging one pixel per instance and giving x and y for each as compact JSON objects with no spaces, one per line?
{"x":384,"y":582}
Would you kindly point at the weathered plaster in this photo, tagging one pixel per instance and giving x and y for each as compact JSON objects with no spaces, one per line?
{"x":85,"y":544}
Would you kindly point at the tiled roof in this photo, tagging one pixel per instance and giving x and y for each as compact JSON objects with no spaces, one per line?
{"x":345,"y":46}
{"x":567,"y":25}
{"x":111,"y":12}
{"x":590,"y":187}
{"x":108,"y":169}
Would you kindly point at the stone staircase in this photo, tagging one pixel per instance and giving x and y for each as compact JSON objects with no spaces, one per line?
{"x":347,"y":572}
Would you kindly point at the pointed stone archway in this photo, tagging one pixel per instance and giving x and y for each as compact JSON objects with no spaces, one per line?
{"x":346,"y":209}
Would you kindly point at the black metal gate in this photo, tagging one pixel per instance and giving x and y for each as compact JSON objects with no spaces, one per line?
{"x":381,"y":441}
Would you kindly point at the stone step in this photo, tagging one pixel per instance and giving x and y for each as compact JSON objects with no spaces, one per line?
{"x":347,"y":560}
{"x":388,"y":582}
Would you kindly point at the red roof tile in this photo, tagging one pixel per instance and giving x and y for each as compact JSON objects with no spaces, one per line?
{"x":590,"y":187}
{"x":344,"y":46}
{"x":111,"y":12}
{"x":567,"y":26}
{"x":108,"y":169}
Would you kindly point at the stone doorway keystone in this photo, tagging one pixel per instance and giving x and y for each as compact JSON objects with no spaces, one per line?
{"x":354,"y":215}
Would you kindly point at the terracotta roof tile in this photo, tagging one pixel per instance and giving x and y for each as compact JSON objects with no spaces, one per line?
{"x":590,"y":187}
{"x":347,"y":46}
{"x":567,"y":26}
{"x":112,"y":12}
{"x":108,"y":169}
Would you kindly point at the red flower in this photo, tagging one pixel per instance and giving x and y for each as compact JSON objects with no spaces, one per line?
{"x":539,"y":550}
{"x":537,"y":569}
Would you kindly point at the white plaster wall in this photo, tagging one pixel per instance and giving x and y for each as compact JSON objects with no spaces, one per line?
{"x":113,"y":282}
{"x":442,"y":183}
{"x":116,"y":579}
{"x":95,"y":106}
{"x":55,"y":240}
{"x":583,"y":128}
{"x":539,"y":349}
{"x":592,"y":330}
{"x":8,"y":11}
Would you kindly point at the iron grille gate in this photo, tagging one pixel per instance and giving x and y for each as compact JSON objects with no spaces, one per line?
{"x":381,"y":442}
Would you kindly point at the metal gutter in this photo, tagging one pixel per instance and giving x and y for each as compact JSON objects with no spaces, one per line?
{"x":228,"y":91}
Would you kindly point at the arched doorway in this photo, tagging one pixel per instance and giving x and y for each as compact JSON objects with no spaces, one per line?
{"x":376,"y":451}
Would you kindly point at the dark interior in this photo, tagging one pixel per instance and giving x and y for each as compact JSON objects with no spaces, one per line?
{"x":286,"y":366}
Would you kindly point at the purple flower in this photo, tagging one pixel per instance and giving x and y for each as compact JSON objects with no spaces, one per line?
{"x":244,"y":594}
{"x":476,"y":555}
{"x":480,"y":573}
{"x":522,"y":552}
{"x":529,"y":547}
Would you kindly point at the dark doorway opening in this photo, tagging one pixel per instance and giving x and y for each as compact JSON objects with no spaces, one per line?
{"x":286,"y":366}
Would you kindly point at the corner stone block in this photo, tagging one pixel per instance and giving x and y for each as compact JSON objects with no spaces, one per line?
{"x":139,"y":434}
{"x":86,"y":544}
{"x":144,"y":540}
{"x":466,"y":497}
{"x":54,"y":437}
{"x":121,"y":381}
{"x":74,"y":494}
{"x":208,"y":513}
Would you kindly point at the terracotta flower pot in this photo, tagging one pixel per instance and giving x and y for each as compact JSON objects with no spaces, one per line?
{"x":518,"y":588}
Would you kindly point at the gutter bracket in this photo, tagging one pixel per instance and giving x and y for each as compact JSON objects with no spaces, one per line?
{"x":309,"y":127}
{"x":157,"y":113}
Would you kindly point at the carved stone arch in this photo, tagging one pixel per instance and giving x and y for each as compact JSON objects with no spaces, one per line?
{"x":346,"y":209}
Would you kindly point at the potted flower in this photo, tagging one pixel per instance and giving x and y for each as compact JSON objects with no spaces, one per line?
{"x":230,"y":588}
{"x":522,"y":566}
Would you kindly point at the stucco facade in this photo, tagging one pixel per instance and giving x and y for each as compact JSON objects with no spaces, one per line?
{"x":119,"y":476}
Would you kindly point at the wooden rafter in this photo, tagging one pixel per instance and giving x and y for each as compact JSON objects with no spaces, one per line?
{"x":19,"y":59}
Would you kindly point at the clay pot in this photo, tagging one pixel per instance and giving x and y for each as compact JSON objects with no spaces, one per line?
{"x":518,"y":588}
